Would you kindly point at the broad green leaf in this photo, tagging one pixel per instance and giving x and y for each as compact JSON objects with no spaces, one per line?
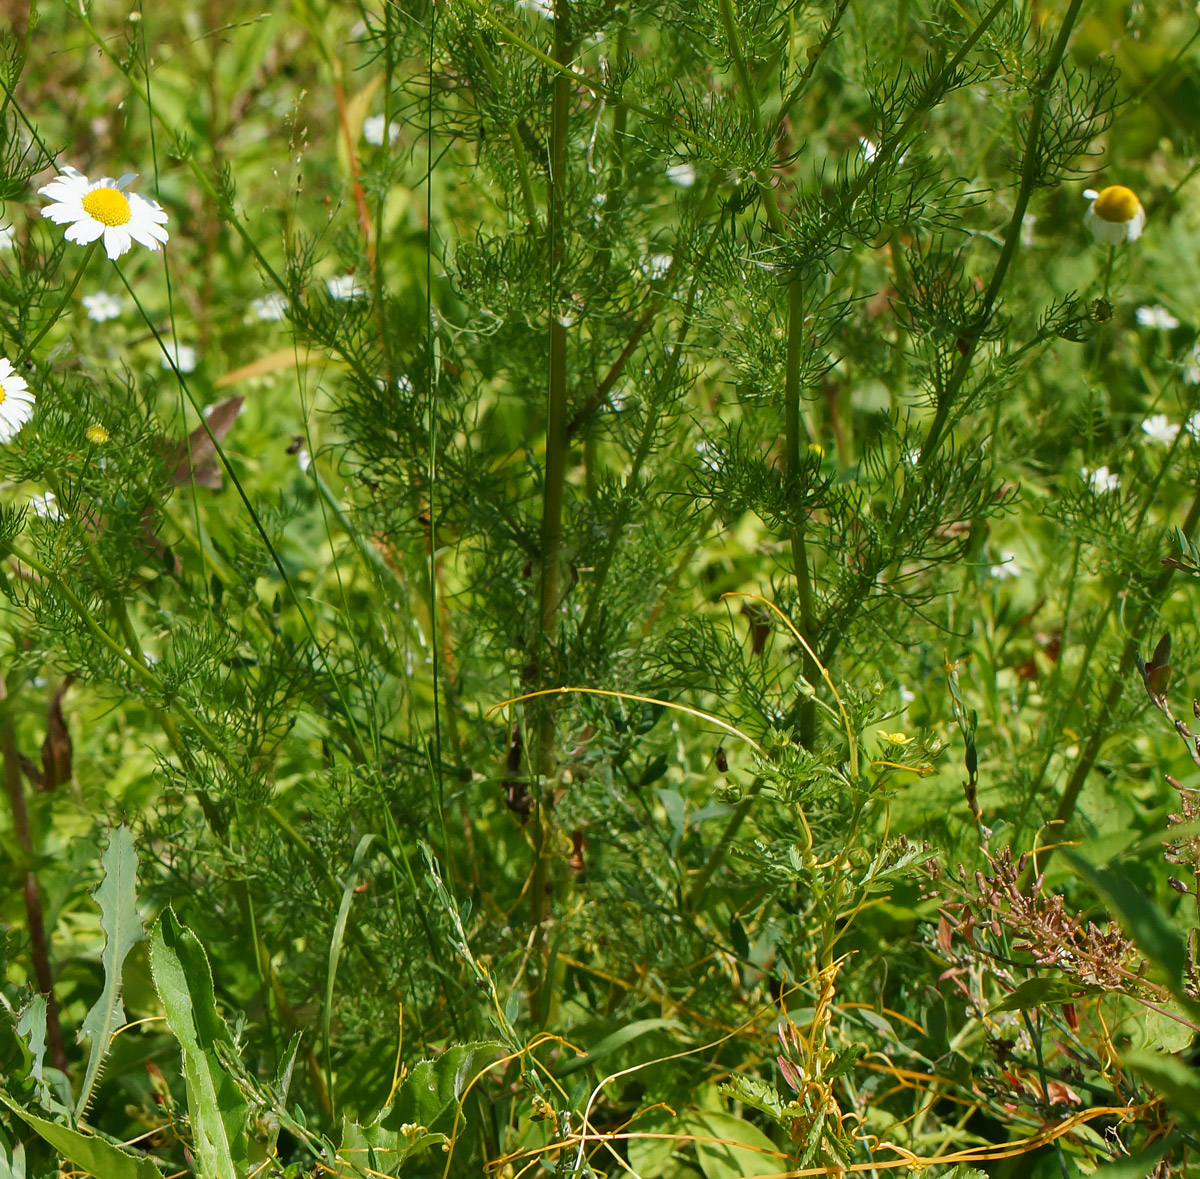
{"x":31,"y":1027}
{"x":1038,"y":992}
{"x":122,"y":928}
{"x":732,"y":1148}
{"x":650,"y":1156}
{"x":1140,"y":1165}
{"x":1176,"y":1082}
{"x":89,"y":1152}
{"x":430,"y":1094}
{"x":216,"y":1106}
{"x":1149,"y":927}
{"x":421,"y":1115}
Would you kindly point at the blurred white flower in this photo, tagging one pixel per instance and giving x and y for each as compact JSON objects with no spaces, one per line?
{"x":1007,"y":568}
{"x":868,"y":147}
{"x":1192,"y":425}
{"x":682,"y":174}
{"x":46,"y":506}
{"x":184,"y":356}
{"x":1160,"y":428}
{"x":907,"y":695}
{"x":101,"y":306}
{"x":710,"y":458}
{"x":1156,"y":317}
{"x":404,"y":383}
{"x":372,"y":130}
{"x":1191,"y":366}
{"x":1115,"y":215}
{"x":656,"y":265}
{"x":269,"y":307}
{"x":539,"y":7}
{"x":304,"y":459}
{"x":345,"y":286}
{"x":1101,"y":479}
{"x":7,"y":237}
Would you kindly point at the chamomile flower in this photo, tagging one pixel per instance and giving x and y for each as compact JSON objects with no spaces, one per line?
{"x":1115,"y":215}
{"x":96,"y":435}
{"x":345,"y":286}
{"x":184,"y":356}
{"x":1006,"y":568}
{"x":16,"y":402}
{"x":682,"y":174}
{"x":269,"y":307}
{"x":372,"y":130}
{"x":46,"y":506}
{"x":101,"y":306}
{"x":1101,"y":480}
{"x":1156,"y":317}
{"x":1160,"y":428}
{"x":93,"y":209}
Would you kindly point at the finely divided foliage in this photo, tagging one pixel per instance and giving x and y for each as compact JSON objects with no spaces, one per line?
{"x":572,"y":570}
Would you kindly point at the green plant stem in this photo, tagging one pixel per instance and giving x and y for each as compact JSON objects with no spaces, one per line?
{"x":39,"y":945}
{"x":792,"y":470}
{"x":515,"y":142}
{"x":554,"y":484}
{"x":68,"y":294}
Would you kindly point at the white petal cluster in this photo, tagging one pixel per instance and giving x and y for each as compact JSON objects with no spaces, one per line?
{"x":1160,"y":428}
{"x":102,"y":306}
{"x":372,"y":130}
{"x":1101,"y":480}
{"x":1156,"y":317}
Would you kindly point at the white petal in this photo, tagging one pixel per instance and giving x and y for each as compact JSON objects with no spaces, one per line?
{"x":84,"y":231}
{"x":127,"y":179}
{"x":116,"y":241}
{"x":64,"y":212}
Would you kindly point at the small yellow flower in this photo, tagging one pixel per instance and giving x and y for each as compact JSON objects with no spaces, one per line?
{"x":97,"y":435}
{"x":900,"y":739}
{"x":1115,"y":215}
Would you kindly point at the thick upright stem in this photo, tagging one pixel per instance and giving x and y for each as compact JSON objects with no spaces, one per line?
{"x":39,"y":944}
{"x":556,"y":453}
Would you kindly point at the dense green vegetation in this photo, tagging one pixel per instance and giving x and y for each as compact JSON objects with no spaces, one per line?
{"x":616,"y":599}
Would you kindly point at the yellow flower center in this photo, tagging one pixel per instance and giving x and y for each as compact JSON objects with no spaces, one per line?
{"x":96,"y":435}
{"x":3,"y":393}
{"x":1117,"y":204}
{"x":108,"y":206}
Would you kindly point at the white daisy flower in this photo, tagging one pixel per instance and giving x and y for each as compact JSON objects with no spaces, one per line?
{"x":1156,"y":317}
{"x":46,"y":506}
{"x":1160,"y":428}
{"x":682,"y":174}
{"x":345,"y":286}
{"x":101,"y":208}
{"x":1007,"y":568}
{"x":1115,"y":215}
{"x":372,"y":130}
{"x":269,"y":308}
{"x":8,"y":237}
{"x":101,"y":306}
{"x":184,"y":356}
{"x":1101,"y":480}
{"x":16,"y":402}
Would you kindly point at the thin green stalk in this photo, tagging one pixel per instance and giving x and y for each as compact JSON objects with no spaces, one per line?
{"x":515,"y":142}
{"x":792,"y":468}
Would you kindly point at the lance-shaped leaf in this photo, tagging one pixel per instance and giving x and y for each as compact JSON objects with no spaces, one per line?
{"x":89,"y":1152}
{"x":117,"y":898}
{"x":216,"y":1106}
